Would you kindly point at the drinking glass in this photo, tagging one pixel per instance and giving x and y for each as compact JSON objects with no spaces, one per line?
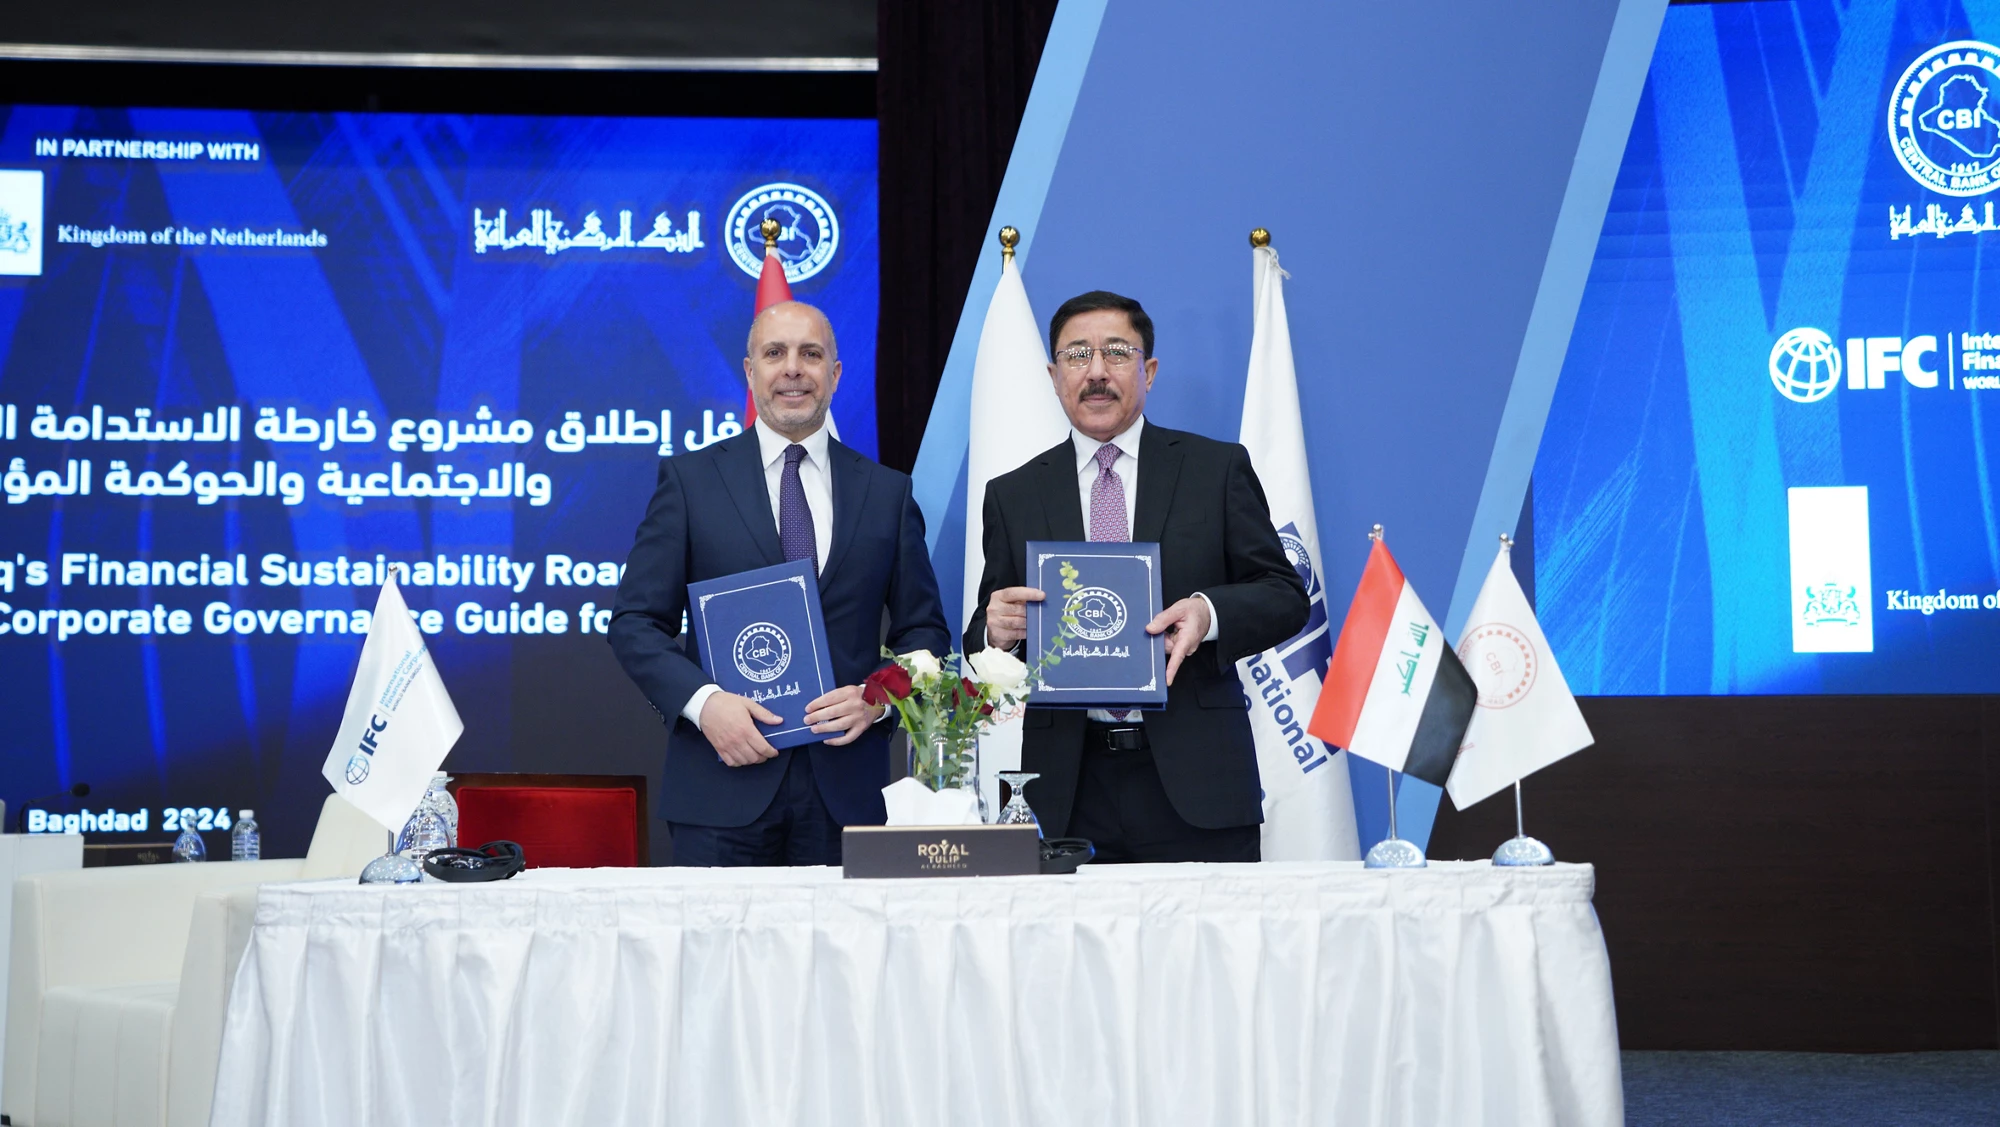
{"x":1017,"y":812}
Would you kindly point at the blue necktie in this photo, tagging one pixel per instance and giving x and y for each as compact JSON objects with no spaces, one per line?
{"x":795,"y":519}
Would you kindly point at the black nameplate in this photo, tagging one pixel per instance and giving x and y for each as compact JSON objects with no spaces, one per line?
{"x":940,"y":851}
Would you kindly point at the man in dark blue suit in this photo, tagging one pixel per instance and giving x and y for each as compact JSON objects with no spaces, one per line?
{"x":783,"y":490}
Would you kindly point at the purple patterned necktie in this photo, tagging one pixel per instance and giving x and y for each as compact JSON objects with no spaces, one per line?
{"x":1107,"y":523}
{"x":795,"y":519}
{"x":1107,"y":499}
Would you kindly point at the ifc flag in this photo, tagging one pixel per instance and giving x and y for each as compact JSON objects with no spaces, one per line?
{"x":1308,"y":802}
{"x":399,"y":722}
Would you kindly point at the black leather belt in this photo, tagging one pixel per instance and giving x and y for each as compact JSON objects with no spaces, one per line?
{"x":1115,"y":737}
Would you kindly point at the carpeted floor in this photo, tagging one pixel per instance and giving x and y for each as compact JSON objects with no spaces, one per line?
{"x":1812,"y":1089}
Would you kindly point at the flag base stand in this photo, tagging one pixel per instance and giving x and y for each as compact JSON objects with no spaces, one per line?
{"x":392,"y":868}
{"x":1395,"y":853}
{"x":1522,"y":851}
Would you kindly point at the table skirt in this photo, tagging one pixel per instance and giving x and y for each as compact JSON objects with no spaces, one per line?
{"x":1129,"y":995}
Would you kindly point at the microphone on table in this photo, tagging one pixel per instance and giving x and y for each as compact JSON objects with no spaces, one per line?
{"x":80,"y":790}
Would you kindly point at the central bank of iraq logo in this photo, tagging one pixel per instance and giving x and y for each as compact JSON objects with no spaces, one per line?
{"x":1502,"y":663}
{"x":1805,"y":365}
{"x":1100,"y":613}
{"x":1832,"y":604}
{"x":1944,"y":119}
{"x":762,"y":652}
{"x":808,"y":234}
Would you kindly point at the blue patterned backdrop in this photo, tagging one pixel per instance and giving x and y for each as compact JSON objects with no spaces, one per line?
{"x":1761,"y":194}
{"x":399,"y":308}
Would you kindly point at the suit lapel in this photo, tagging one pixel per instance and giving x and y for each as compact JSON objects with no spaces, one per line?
{"x":1159,"y":469}
{"x":850,"y":496}
{"x":743,"y":475}
{"x":1062,"y":503}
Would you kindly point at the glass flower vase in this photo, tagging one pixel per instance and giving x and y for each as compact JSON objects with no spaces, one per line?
{"x":942,"y":763}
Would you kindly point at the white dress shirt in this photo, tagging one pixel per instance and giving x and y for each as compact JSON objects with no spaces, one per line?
{"x":818,"y":484}
{"x":1126,"y":468}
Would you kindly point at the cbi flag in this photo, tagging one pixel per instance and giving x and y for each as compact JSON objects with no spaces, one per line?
{"x":1526,"y":717}
{"x":1395,"y":692}
{"x":1308,"y":798}
{"x":399,"y":721}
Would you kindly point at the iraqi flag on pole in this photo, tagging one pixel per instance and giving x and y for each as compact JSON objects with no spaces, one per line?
{"x":1526,"y":717}
{"x":1308,"y":798}
{"x":1015,"y":415}
{"x":1395,"y":692}
{"x":399,"y":721}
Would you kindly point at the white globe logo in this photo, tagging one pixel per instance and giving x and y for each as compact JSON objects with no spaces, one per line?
{"x":1805,"y":366}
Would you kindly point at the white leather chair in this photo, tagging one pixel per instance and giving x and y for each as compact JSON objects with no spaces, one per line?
{"x":120,"y":979}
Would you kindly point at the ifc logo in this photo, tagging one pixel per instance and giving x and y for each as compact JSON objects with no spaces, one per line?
{"x":1805,"y":367}
{"x":1300,"y":559}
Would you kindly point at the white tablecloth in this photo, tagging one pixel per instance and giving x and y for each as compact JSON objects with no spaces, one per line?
{"x":1128,"y":995}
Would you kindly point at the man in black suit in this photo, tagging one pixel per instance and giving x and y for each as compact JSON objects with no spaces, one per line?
{"x":783,"y":490}
{"x":1173,"y":785}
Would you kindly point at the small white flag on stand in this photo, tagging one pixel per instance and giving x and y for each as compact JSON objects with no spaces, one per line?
{"x":1526,"y":718}
{"x":399,"y":721}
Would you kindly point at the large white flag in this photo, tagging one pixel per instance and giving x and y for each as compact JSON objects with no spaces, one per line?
{"x":1308,"y":801}
{"x":399,"y":721}
{"x":1015,"y":412}
{"x":1526,"y":717}
{"x":1015,"y":416}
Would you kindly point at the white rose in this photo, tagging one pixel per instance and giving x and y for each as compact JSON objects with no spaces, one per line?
{"x":921,"y":663}
{"x":998,"y":668}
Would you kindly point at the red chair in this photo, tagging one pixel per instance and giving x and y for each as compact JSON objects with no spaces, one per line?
{"x":561,"y":821}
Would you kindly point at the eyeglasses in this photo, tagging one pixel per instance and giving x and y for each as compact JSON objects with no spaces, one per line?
{"x":1115,"y":355}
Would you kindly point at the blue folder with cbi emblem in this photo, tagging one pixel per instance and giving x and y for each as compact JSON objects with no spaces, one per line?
{"x":762,"y":636}
{"x":1110,"y":661}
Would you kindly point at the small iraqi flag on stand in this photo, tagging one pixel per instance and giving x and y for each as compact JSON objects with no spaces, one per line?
{"x":1395,"y":693}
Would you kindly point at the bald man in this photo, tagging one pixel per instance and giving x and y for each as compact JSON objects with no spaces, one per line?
{"x":782,"y":490}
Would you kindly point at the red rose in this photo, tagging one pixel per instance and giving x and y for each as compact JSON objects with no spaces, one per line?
{"x":886,"y":685}
{"x":969,"y":691}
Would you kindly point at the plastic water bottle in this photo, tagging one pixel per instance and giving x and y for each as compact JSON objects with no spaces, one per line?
{"x":245,"y":843}
{"x":189,"y":846}
{"x":438,"y":799}
{"x":426,"y":830}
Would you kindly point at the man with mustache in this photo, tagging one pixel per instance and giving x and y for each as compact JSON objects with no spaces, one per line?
{"x":1173,"y":785}
{"x":783,"y":490}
